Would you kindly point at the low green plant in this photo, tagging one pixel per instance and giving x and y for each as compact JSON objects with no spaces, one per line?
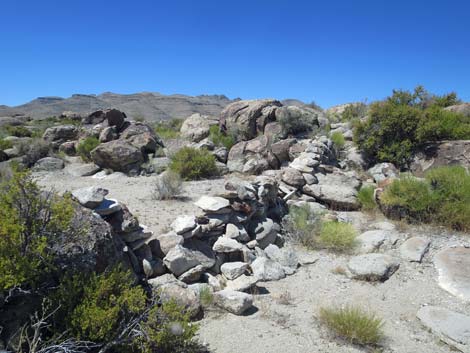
{"x":87,"y":145}
{"x":30,"y":222}
{"x":366,"y":198}
{"x":354,"y":111}
{"x":107,"y":300}
{"x":221,"y":138}
{"x":168,"y":129}
{"x":399,"y":126}
{"x":443,"y":197}
{"x":337,"y":236}
{"x":301,"y":226}
{"x":353,"y":324}
{"x":338,"y":139}
{"x":168,"y":185}
{"x":18,"y":131}
{"x":5,"y":144}
{"x":206,"y":297}
{"x":193,"y":164}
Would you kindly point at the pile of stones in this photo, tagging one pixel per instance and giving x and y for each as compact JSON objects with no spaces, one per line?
{"x":230,"y":245}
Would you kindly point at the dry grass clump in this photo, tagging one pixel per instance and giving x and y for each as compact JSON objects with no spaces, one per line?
{"x":167,"y":186}
{"x":353,"y":324}
{"x":337,"y":236}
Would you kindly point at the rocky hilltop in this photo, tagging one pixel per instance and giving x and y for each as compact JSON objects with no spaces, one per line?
{"x":147,"y":105}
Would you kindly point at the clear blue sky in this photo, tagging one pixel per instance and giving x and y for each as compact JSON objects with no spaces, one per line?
{"x":331,"y":51}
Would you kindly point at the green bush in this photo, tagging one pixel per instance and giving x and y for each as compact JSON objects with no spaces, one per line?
{"x":168,"y":129}
{"x":353,"y":324}
{"x":18,"y":131}
{"x":354,"y":111}
{"x":219,"y":138}
{"x":5,"y":144}
{"x":337,"y":236}
{"x":366,"y":198}
{"x":301,"y":226}
{"x":30,"y":221}
{"x":107,"y":301}
{"x":338,"y":139}
{"x":86,"y":146}
{"x":193,"y":163}
{"x":443,"y":198}
{"x":397,"y":127}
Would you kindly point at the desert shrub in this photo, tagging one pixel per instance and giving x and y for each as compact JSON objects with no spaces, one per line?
{"x":30,"y":221}
{"x":354,"y":112}
{"x":301,"y":226}
{"x":205,"y":296}
{"x":293,"y":124}
{"x":193,"y":163}
{"x":337,"y":236}
{"x":168,"y":129}
{"x":366,"y":198}
{"x":443,"y":198}
{"x":398,"y":126}
{"x":168,"y":329}
{"x":353,"y":324}
{"x":221,"y":138}
{"x":33,"y":150}
{"x":87,"y":145}
{"x":107,"y":301}
{"x":338,"y":139}
{"x":168,"y":185}
{"x":5,"y":144}
{"x":18,"y":131}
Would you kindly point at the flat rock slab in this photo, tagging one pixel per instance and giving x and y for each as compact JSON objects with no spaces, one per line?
{"x":414,"y":249}
{"x":83,"y":170}
{"x":373,"y":267}
{"x":453,"y":266}
{"x":90,"y":197}
{"x":451,"y":327}
{"x":373,"y":240}
{"x":212,"y":204}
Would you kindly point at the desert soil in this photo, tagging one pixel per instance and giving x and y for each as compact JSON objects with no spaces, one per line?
{"x":285,"y":319}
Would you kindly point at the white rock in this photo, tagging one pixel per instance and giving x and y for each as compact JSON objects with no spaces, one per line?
{"x":453,"y":266}
{"x":235,"y":302}
{"x":373,"y":267}
{"x":232,"y":270}
{"x":213,"y":204}
{"x":414,"y":248}
{"x":183,"y":224}
{"x":267,"y":270}
{"x":224,"y":244}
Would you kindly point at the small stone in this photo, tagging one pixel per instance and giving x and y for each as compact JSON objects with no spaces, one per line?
{"x":242,"y":283}
{"x":90,"y":197}
{"x":232,"y":301}
{"x":226,"y":245}
{"x":414,"y":248}
{"x":183,"y":224}
{"x":267,"y":270}
{"x":373,"y":267}
{"x":213,"y":204}
{"x":107,"y":207}
{"x":233,"y":270}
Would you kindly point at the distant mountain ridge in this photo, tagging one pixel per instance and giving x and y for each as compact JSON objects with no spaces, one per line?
{"x":148,"y":105}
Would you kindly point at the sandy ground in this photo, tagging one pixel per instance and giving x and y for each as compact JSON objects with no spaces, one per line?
{"x":285,"y":319}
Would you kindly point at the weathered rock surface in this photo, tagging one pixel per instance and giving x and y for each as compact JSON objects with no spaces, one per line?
{"x":451,"y":327}
{"x":267,"y":270}
{"x":48,"y":164}
{"x":453,"y":266}
{"x":212,"y":204}
{"x":196,"y":127}
{"x":383,"y":171}
{"x":90,"y":197}
{"x":414,"y":248}
{"x":117,"y":155}
{"x":61,"y":133}
{"x":373,"y":267}
{"x":233,"y":270}
{"x":439,"y":154}
{"x":235,"y":302}
{"x":373,"y":240}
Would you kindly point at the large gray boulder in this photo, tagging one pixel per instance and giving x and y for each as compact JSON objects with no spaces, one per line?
{"x":118,"y":155}
{"x":141,"y":136}
{"x":48,"y":164}
{"x":196,"y":127}
{"x":441,"y":154}
{"x":451,"y":327}
{"x":61,"y":133}
{"x":247,"y":118}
